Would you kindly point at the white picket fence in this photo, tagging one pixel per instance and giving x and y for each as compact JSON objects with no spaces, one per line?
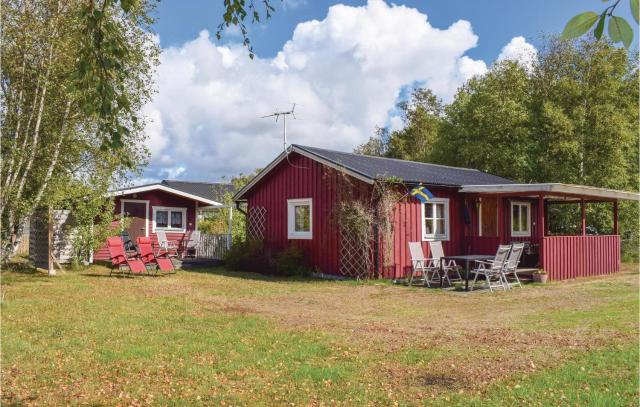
{"x":213,"y":246}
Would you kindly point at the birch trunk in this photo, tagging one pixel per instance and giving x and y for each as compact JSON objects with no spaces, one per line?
{"x":36,"y":130}
{"x":18,"y":115}
{"x":13,"y":172}
{"x":54,"y":159}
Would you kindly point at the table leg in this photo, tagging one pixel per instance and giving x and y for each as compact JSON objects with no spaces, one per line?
{"x":466,"y":275}
{"x":441,"y":270}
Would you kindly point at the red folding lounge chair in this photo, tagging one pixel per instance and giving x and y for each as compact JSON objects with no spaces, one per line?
{"x":119,"y":257}
{"x":147,"y":256}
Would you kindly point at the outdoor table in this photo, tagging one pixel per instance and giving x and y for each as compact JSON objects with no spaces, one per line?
{"x":467,"y":258}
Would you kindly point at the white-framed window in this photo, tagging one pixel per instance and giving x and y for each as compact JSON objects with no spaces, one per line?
{"x":170,"y":219}
{"x":520,"y":218}
{"x":435,"y":219}
{"x":300,"y":218}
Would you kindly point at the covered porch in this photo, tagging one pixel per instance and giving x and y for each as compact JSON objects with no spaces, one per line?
{"x":504,"y":214}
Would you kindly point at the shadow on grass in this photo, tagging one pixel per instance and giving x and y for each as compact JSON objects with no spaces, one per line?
{"x":246,"y":275}
{"x":96,"y":274}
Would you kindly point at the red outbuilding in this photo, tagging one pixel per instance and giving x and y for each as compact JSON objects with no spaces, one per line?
{"x":293,"y":202}
{"x":169,"y":206}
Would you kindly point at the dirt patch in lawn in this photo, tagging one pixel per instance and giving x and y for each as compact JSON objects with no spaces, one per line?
{"x":477,"y":338}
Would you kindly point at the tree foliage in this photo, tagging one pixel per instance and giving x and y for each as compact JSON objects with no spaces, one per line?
{"x":216,"y":222}
{"x":57,"y":113}
{"x":236,"y":13}
{"x":572,"y":117}
{"x":618,"y":28}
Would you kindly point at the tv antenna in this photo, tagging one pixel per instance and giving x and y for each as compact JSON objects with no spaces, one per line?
{"x":284,"y":122}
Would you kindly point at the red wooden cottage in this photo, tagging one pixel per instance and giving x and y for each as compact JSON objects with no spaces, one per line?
{"x":294,"y":199}
{"x":171,"y":206}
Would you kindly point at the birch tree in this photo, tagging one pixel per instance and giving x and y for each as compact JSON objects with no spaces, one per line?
{"x":52,"y":137}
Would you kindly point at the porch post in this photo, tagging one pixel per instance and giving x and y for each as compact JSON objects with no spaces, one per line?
{"x":500,"y":219}
{"x":583,"y":214}
{"x":546,"y":216}
{"x":615,"y":217}
{"x":229,"y":227}
{"x":541,"y":229}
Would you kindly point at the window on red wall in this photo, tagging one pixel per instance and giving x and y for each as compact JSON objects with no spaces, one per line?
{"x":435,"y":219}
{"x":520,"y":219}
{"x":169,"y":219}
{"x":162,"y":219}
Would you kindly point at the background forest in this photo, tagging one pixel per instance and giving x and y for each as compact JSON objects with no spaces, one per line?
{"x":571,"y":117}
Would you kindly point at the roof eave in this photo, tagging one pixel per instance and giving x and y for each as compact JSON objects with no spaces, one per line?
{"x":161,"y":187}
{"x":558,"y":188}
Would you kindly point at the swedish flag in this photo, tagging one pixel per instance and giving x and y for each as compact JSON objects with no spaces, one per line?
{"x":422,"y":194}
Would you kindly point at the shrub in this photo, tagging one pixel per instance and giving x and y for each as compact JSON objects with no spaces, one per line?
{"x":249,"y":256}
{"x":292,"y":262}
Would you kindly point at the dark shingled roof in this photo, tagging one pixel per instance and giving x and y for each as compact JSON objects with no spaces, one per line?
{"x":208,"y":190}
{"x":410,"y":172}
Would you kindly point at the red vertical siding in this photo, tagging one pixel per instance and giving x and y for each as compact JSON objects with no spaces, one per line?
{"x":581,"y":256}
{"x":301,"y":177}
{"x":488,"y":244}
{"x":408,"y":228}
{"x":155,"y":198}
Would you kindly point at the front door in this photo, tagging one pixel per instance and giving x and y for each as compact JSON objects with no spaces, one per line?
{"x":488,"y":224}
{"x":136,"y":212}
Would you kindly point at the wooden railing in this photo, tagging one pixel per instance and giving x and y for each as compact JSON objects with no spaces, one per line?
{"x":580,"y":256}
{"x":213,"y":246}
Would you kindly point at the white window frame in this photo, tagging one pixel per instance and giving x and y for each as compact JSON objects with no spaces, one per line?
{"x":146,"y":216}
{"x":291,"y":224}
{"x":526,"y":233}
{"x":170,"y":209}
{"x":434,"y":237}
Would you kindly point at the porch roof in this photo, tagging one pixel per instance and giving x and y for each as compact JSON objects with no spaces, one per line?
{"x":553,"y":189}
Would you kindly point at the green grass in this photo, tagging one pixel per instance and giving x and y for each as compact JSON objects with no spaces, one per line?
{"x":597,"y":378}
{"x":244,"y":339}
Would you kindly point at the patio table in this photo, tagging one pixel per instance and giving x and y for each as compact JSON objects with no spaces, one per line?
{"x":467,"y":258}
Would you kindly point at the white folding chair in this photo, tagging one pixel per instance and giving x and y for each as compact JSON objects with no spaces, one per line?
{"x":493,"y":270}
{"x":191,"y":244}
{"x":170,"y":247}
{"x":437,"y":253}
{"x":422,"y":266}
{"x":511,"y":266}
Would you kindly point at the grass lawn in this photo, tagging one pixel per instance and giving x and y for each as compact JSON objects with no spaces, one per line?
{"x":220,"y":337}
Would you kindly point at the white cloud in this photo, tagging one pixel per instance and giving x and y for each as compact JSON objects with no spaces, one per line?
{"x":172,"y":173}
{"x":396,"y":123}
{"x":519,"y":50}
{"x":344,"y":72}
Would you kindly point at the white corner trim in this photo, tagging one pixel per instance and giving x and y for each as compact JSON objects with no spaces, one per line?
{"x":291,"y":222}
{"x":169,"y":209}
{"x":447,"y":216}
{"x":146,"y":220}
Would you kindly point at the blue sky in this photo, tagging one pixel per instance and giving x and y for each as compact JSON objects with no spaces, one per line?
{"x":345,"y":65}
{"x":494,"y":21}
